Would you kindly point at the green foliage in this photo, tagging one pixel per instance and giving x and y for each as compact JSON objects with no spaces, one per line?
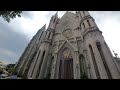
{"x":10,"y":68}
{"x":1,"y":70}
{"x":10,"y":71}
{"x":10,"y":65}
{"x":8,"y":15}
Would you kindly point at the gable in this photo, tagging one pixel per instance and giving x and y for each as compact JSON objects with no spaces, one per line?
{"x":67,"y":23}
{"x":65,"y":45}
{"x":68,"y":17}
{"x":67,"y":14}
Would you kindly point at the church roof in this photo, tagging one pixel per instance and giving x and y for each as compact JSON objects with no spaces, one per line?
{"x":67,"y":13}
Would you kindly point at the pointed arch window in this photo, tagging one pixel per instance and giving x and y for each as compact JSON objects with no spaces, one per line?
{"x":35,"y":62}
{"x":88,"y":23}
{"x":80,"y":14}
{"x":83,"y":26}
{"x":103,"y":60}
{"x":94,"y":62}
{"x":45,"y":33}
{"x":31,"y":60}
{"x":38,"y":71}
{"x":83,"y":69}
{"x":54,"y":20}
{"x":49,"y":35}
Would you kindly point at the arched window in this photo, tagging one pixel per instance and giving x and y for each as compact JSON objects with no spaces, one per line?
{"x":83,"y":69}
{"x":49,"y":34}
{"x":38,"y":71}
{"x":31,"y":60}
{"x":45,"y":33}
{"x":94,"y":62}
{"x":35,"y":62}
{"x":54,"y":20}
{"x":83,"y":26}
{"x":103,"y":60}
{"x":88,"y":23}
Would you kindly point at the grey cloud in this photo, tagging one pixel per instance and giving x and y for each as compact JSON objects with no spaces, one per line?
{"x":27,"y":14}
{"x":8,"y":56}
{"x":12,"y":43}
{"x":50,"y":14}
{"x":105,"y":14}
{"x":53,"y":12}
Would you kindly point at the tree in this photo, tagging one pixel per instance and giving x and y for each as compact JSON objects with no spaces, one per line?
{"x":1,"y":70}
{"x":10,"y":68}
{"x":8,"y":15}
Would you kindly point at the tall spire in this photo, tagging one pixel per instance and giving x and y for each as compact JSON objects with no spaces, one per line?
{"x":44,"y":27}
{"x":56,"y":15}
{"x":41,"y":29}
{"x":57,"y":12}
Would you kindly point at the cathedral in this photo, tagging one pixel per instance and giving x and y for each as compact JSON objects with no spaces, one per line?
{"x":72,"y":47}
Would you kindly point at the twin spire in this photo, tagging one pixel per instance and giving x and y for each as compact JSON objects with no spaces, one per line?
{"x":56,"y":15}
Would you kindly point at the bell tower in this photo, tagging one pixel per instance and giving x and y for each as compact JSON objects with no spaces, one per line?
{"x":86,"y":21}
{"x":43,"y":55}
{"x":102,"y":63}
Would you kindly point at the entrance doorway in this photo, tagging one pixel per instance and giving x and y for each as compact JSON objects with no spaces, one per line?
{"x":66,"y":65}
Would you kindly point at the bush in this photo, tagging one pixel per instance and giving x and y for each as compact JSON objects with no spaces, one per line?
{"x":1,"y":71}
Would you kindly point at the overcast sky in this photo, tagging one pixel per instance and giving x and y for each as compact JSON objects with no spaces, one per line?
{"x":16,"y":35}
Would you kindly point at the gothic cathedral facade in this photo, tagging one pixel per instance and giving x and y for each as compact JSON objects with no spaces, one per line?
{"x":72,"y":47}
